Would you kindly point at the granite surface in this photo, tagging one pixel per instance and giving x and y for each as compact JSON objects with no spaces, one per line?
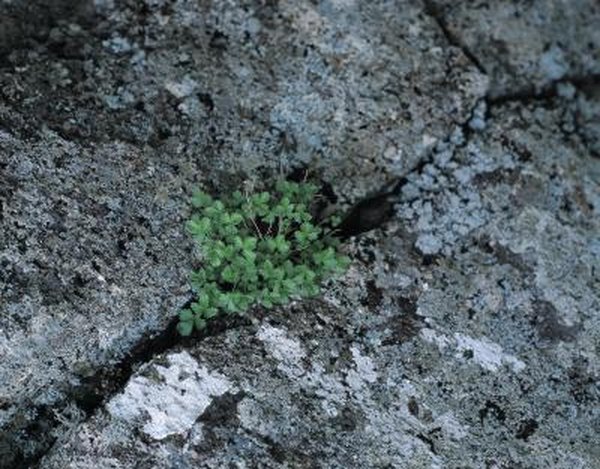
{"x":466,"y":332}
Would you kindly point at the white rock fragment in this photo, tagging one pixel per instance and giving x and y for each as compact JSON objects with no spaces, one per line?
{"x":486,"y":353}
{"x":287,"y":351}
{"x":364,"y":365}
{"x":183,"y":88}
{"x":174,"y":401}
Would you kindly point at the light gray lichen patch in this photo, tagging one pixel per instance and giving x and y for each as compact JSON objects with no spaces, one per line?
{"x":287,"y":351}
{"x":441,"y":204}
{"x":485,"y":353}
{"x":185,"y":389}
{"x":364,"y":373}
{"x":332,"y":388}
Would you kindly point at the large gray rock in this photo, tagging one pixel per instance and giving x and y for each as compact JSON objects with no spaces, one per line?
{"x":344,"y":87}
{"x":464,"y":334}
{"x":109,"y":116}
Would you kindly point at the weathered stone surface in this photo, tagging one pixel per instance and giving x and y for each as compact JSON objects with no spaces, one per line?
{"x":482,"y":353}
{"x":92,"y":262}
{"x":345,"y":87}
{"x":526,"y":45}
{"x":465,"y":332}
{"x":24,"y":23}
{"x":109,"y":115}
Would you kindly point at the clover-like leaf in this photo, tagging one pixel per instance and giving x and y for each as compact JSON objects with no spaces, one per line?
{"x":185,"y":328}
{"x":185,"y":315}
{"x":201,"y":199}
{"x":200,"y":323}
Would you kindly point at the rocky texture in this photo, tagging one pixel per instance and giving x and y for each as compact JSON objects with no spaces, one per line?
{"x":464,"y":335}
{"x":524,"y":46}
{"x":347,"y":88}
{"x":91,"y":260}
{"x":465,"y":332}
{"x":107,"y":121}
{"x":25,"y":24}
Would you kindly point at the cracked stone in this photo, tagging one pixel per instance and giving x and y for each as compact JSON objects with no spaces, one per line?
{"x":465,"y":331}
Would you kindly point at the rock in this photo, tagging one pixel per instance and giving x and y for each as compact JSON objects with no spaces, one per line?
{"x":525,"y":46}
{"x":464,"y":332}
{"x":96,"y":179}
{"x":484,"y":356}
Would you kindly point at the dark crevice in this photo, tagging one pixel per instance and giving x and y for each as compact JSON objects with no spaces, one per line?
{"x":375,"y":210}
{"x":434,"y":12}
{"x":532,"y":94}
{"x":366,"y":215}
{"x":428,"y":441}
{"x":106,"y":382}
{"x":524,"y":95}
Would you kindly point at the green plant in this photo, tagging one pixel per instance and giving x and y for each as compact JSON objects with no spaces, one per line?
{"x":263,"y":248}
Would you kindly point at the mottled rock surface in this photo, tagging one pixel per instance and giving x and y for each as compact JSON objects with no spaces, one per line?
{"x":465,"y":333}
{"x":482,"y":353}
{"x":524,"y":46}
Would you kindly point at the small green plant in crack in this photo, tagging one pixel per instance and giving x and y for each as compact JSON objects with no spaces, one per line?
{"x":263,"y":248}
